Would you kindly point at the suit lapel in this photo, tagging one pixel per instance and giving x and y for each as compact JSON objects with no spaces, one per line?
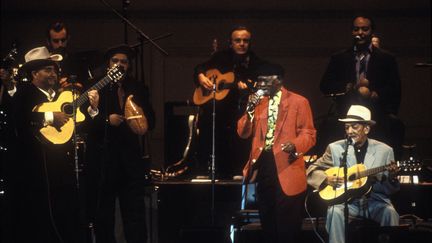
{"x":263,"y":116}
{"x":351,"y":158}
{"x":370,"y":155}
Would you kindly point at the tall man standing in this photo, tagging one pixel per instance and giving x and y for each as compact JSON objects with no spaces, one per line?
{"x":281,"y":126}
{"x":242,"y":62}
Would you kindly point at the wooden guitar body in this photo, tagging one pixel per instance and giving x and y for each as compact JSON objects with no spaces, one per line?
{"x":65,"y":103}
{"x":355,"y":186}
{"x":62,"y":104}
{"x":223,"y":84}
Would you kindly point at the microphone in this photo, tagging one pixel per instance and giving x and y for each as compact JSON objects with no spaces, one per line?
{"x":350,"y":141}
{"x":254,"y":100}
{"x":357,"y":38}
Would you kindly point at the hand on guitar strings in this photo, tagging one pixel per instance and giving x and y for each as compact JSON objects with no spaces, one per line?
{"x":205,"y":82}
{"x":60,"y":119}
{"x":334,"y":181}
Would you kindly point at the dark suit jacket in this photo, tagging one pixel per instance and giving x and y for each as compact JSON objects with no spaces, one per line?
{"x":382,"y":73}
{"x":294,"y":124}
{"x":41,"y":172}
{"x":109,"y":104}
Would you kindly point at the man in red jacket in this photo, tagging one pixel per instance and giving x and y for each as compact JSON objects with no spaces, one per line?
{"x":281,"y":124}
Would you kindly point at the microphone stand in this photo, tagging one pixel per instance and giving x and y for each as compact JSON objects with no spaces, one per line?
{"x":213,"y":155}
{"x":125,"y":4}
{"x":80,"y":199}
{"x":134,"y":27}
{"x":345,"y":169}
{"x":72,"y":80}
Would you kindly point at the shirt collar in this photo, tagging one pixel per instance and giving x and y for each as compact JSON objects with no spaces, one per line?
{"x":50,"y":95}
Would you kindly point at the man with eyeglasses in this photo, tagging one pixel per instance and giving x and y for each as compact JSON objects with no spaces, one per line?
{"x":367,"y":75}
{"x":242,"y":62}
{"x":121,"y":154}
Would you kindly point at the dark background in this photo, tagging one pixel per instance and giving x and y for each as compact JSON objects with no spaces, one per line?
{"x":300,"y":35}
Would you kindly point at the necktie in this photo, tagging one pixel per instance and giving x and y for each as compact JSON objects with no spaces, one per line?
{"x":51,"y":93}
{"x":362,"y":58}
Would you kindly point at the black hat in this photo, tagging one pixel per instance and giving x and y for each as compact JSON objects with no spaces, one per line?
{"x":270,"y":69}
{"x":124,"y":49}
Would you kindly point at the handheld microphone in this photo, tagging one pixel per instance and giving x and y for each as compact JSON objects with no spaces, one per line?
{"x":256,"y":97}
{"x":350,"y":141}
{"x":357,"y":38}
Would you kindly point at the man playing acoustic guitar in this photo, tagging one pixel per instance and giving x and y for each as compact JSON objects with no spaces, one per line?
{"x":233,"y":71}
{"x":44,"y":184}
{"x":362,"y":152}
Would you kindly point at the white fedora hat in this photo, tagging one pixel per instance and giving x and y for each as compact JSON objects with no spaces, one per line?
{"x":39,"y":57}
{"x":360,"y":114}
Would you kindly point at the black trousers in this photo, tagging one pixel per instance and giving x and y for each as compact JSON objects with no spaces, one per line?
{"x":123,"y":176}
{"x":281,"y":215}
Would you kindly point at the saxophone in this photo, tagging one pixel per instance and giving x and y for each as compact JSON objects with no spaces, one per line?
{"x":135,"y":117}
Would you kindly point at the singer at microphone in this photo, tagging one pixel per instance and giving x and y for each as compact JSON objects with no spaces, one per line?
{"x":281,"y":131}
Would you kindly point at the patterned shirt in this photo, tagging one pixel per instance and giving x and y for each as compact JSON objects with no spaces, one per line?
{"x":273,"y":109}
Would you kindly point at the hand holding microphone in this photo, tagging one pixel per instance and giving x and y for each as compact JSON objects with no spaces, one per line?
{"x":254,"y":100}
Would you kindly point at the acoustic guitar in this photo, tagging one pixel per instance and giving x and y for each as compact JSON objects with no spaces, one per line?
{"x":66,"y":103}
{"x":357,"y":181}
{"x":224,"y":82}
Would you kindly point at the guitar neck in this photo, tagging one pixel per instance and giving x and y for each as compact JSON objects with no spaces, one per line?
{"x":371,"y":171}
{"x":98,"y":86}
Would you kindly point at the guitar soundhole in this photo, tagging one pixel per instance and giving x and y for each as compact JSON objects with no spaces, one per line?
{"x":67,"y":109}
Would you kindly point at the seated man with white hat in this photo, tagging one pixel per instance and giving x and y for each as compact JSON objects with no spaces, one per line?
{"x":376,"y":204}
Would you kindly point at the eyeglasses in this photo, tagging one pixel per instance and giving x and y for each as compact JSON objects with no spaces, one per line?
{"x":239,"y":40}
{"x":122,"y":61}
{"x":63,"y":40}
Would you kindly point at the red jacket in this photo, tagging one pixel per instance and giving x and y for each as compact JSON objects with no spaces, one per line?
{"x":294,"y":124}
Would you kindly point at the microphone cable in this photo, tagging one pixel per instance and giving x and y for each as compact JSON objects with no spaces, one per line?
{"x":310,"y":217}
